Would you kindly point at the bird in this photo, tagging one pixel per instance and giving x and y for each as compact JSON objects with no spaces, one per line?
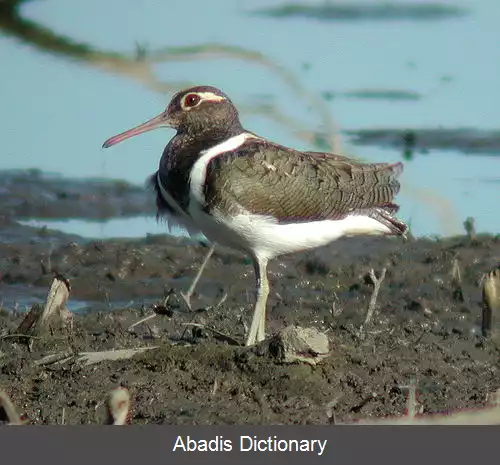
{"x":246,"y":192}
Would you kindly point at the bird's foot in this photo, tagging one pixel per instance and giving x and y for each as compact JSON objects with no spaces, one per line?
{"x":250,"y":342}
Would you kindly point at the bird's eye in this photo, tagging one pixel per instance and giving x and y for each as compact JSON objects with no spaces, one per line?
{"x":191,"y":100}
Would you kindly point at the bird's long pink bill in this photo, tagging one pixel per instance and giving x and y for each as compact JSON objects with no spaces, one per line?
{"x":153,"y":123}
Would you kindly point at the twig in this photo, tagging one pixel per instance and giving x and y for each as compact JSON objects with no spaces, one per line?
{"x":490,"y":323}
{"x":54,"y":358}
{"x":215,"y":387}
{"x":221,"y":301}
{"x":18,"y":335}
{"x":157,"y":310}
{"x":56,"y":301}
{"x":330,"y":413}
{"x":456,"y":280}
{"x":90,"y":358}
{"x":187,"y":296}
{"x":218,"y":334}
{"x":377,"y":282}
{"x":38,"y":318}
{"x":9,"y":409}
{"x":419,"y":338}
{"x":142,"y":320}
{"x":191,"y":322}
{"x":412,"y":399}
{"x":335,"y":310}
{"x":456,"y":276}
{"x":244,"y":324}
{"x":493,"y":398}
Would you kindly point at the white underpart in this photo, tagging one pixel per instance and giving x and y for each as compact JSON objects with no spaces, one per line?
{"x":268,"y":239}
{"x":262,"y":235}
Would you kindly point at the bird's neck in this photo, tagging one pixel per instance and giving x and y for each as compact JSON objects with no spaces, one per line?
{"x":207,"y":138}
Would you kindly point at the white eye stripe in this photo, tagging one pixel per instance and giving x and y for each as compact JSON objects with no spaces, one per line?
{"x":204,"y":96}
{"x":210,"y":96}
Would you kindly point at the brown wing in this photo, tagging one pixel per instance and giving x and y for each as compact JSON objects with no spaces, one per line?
{"x":342,"y":158}
{"x":269,"y":179}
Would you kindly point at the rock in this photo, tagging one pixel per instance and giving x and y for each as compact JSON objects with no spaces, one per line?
{"x":295,"y":344}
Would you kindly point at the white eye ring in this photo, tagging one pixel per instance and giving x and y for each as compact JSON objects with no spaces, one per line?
{"x":190,"y":101}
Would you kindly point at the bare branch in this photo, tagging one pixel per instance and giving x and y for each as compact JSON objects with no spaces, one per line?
{"x":219,"y":335}
{"x":377,"y":282}
{"x":90,"y":358}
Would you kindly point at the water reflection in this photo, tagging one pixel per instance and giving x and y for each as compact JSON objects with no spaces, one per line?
{"x":373,"y":87}
{"x":133,"y":227}
{"x":469,"y":141}
{"x":366,"y":11}
{"x":375,"y":94}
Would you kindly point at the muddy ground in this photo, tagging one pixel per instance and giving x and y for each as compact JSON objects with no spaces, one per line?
{"x":426,"y":329}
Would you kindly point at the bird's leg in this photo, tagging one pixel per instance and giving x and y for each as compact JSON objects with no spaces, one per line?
{"x":187,"y":296}
{"x":261,"y":332}
{"x":257,"y":328}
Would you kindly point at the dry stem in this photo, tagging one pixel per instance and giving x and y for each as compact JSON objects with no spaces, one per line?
{"x":377,"y":283}
{"x":9,"y":409}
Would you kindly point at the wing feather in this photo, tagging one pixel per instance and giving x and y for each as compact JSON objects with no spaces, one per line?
{"x":291,"y":186}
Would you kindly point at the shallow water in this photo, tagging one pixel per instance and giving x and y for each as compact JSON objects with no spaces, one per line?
{"x":58,"y":121}
{"x":136,"y":226}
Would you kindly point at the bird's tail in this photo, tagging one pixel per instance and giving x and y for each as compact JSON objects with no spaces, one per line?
{"x":385,"y":216}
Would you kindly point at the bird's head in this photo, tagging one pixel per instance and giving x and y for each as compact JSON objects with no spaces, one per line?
{"x":201,"y":111}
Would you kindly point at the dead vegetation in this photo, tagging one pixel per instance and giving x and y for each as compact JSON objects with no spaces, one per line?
{"x":491,"y":305}
{"x":489,"y":415}
{"x":42,"y":319}
{"x":119,"y":409}
{"x":292,"y":345}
